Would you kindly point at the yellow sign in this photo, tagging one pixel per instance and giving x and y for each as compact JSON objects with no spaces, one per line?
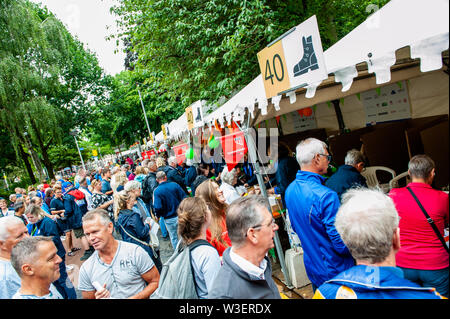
{"x":272,"y":64}
{"x":94,"y":153}
{"x":151,"y":137}
{"x":163,"y":128}
{"x":190,"y":118}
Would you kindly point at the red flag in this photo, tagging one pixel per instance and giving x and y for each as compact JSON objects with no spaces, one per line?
{"x":180,"y":152}
{"x":278,"y":120}
{"x":234,"y":147}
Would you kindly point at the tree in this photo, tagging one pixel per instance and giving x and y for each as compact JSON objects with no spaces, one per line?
{"x":207,"y":49}
{"x":48,"y":81}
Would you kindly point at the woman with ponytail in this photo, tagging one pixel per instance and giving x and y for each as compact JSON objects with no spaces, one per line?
{"x":194,"y":218}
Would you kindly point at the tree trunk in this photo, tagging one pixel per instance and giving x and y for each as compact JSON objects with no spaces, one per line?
{"x":46,"y":160}
{"x":24,"y":156}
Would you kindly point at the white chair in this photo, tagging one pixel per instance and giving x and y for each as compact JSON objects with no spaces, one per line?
{"x":370,"y":173}
{"x":393,"y":183}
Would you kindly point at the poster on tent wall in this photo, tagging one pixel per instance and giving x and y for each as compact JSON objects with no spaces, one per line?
{"x":387,"y":103}
{"x":298,"y":121}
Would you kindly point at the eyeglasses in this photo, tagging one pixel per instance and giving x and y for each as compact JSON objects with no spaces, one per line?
{"x":327,"y":156}
{"x":271,"y":224}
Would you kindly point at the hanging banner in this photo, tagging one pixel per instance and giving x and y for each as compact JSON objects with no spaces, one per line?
{"x":165,"y":131}
{"x":234,"y":147}
{"x":294,"y":61}
{"x":197,"y":114}
{"x":180,"y":152}
{"x":148,"y":154}
{"x":189,"y":117}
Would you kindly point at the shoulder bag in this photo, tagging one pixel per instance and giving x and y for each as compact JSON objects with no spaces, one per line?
{"x":429,"y":220}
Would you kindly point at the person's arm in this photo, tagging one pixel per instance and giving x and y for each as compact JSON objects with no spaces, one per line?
{"x":330,"y":206}
{"x":152,"y":279}
{"x":157,"y":204}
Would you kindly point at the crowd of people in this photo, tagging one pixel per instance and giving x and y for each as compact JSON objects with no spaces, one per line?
{"x":357,"y":242}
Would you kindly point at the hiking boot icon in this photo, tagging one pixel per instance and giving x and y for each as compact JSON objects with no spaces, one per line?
{"x":309,"y":60}
{"x":199,"y":116}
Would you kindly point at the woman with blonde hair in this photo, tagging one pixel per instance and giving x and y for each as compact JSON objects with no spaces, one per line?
{"x":41,"y":225}
{"x":217,"y":233}
{"x":130,"y":225}
{"x":194,"y":218}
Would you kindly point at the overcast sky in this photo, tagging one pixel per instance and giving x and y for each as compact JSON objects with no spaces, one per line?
{"x":89,"y":20}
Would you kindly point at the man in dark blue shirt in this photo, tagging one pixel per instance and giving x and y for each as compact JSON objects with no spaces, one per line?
{"x":166,"y":199}
{"x":349,"y":175}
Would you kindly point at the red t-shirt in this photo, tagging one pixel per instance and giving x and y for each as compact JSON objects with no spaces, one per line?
{"x":420,"y":247}
{"x":216,"y":243}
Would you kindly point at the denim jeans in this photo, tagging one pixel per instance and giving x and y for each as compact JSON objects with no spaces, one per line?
{"x":172,"y":225}
{"x":162,"y":226}
{"x":429,"y":278}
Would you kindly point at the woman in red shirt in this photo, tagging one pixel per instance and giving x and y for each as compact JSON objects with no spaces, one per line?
{"x":217,"y":233}
{"x":422,"y":256}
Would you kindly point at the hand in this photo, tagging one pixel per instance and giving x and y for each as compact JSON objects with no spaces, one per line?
{"x":103,"y":293}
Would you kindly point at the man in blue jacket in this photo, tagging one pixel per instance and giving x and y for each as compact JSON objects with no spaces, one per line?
{"x":312,"y":210}
{"x":348,"y":175}
{"x":166,"y":199}
{"x":368,"y":224}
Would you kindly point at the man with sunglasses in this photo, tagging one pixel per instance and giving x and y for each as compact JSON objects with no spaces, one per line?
{"x":246,"y":272}
{"x":312,"y":210}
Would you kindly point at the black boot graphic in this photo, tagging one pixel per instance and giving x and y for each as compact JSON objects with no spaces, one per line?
{"x":309,"y":60}
{"x":199,"y":116}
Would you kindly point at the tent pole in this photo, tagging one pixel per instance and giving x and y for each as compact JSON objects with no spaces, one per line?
{"x":254,"y":159}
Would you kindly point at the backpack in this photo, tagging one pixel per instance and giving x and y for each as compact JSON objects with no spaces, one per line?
{"x":148,"y":188}
{"x":177,"y":276}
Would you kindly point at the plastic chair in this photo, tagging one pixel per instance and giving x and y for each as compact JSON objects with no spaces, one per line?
{"x":393,"y":183}
{"x":370,"y":173}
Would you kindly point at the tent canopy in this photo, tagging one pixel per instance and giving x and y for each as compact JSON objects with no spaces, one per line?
{"x":397,"y":42}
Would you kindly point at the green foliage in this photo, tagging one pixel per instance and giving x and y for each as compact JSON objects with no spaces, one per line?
{"x":207,"y":49}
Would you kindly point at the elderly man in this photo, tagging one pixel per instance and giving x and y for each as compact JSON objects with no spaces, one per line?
{"x":348,"y":175}
{"x":422,"y":257}
{"x":312,"y":209}
{"x":166,"y":199}
{"x":123,"y":270}
{"x":173,"y":174}
{"x":246,"y":272}
{"x":36,"y":261}
{"x":368,"y":224}
{"x":12,"y":230}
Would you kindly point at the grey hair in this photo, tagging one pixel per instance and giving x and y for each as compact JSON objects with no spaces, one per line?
{"x":160,"y":175}
{"x":354,"y":157}
{"x":366,"y":222}
{"x":101,"y":213}
{"x":241,"y":215}
{"x":132,"y":185}
{"x":32,"y":194}
{"x":171,"y":160}
{"x":227,"y":176}
{"x":420,"y":166}
{"x":307,"y":149}
{"x":6,"y":223}
{"x":26,"y":251}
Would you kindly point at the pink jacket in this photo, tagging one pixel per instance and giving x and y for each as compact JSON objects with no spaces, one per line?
{"x":420,"y":247}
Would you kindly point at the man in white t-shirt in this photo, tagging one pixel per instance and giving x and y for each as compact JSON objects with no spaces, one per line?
{"x":116,"y":269}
